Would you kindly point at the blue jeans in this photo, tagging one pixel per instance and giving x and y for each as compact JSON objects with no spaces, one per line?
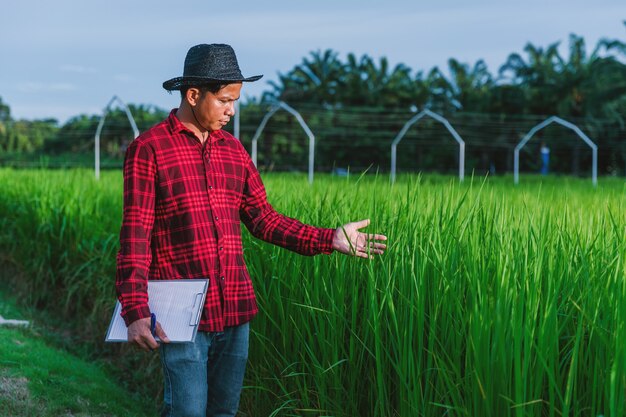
{"x":204,"y":378}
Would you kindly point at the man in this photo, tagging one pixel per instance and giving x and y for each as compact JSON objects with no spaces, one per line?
{"x":188,"y":185}
{"x":545,"y":158}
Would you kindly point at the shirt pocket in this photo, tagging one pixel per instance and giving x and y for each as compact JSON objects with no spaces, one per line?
{"x":230,"y":178}
{"x":181,"y":187}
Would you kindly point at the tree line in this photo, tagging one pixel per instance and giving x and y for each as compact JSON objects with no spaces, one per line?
{"x":356,"y":105}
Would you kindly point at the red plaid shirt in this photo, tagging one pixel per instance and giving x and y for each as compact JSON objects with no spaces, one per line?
{"x":183,"y":206}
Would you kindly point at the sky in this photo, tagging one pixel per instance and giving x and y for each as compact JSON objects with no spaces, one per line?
{"x":63,"y":58}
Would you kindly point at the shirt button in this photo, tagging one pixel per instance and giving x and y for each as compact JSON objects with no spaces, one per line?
{"x":221,"y":247}
{"x":222,"y":278}
{"x":216,"y":218}
{"x":210,"y":187}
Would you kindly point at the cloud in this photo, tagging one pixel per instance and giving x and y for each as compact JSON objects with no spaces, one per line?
{"x":77,"y":69}
{"x":27,"y":110}
{"x":125,"y":78}
{"x":34,"y":87}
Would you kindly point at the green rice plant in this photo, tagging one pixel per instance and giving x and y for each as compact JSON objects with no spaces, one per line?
{"x":59,"y":230}
{"x":492,"y":299}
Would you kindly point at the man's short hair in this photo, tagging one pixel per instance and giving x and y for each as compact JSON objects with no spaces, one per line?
{"x":212,"y":88}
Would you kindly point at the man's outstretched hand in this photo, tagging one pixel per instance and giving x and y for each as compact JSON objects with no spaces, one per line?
{"x":350,"y":241}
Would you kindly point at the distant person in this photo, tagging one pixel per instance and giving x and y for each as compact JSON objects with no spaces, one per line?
{"x":545,"y":158}
{"x":188,"y":185}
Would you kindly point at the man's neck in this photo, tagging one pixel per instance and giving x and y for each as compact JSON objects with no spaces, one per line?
{"x":186,"y":117}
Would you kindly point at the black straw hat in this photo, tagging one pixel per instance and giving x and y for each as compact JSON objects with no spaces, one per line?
{"x":204,"y":64}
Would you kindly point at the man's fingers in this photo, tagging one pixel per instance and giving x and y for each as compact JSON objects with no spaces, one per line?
{"x":373,"y":241}
{"x":371,"y":251}
{"x":372,"y":248}
{"x":143,"y":343}
{"x":148,"y":342}
{"x":139,"y":334}
{"x":161,"y":333}
{"x":373,"y":244}
{"x":152,"y":344}
{"x":372,"y":237}
{"x":381,"y":246}
{"x":361,"y":224}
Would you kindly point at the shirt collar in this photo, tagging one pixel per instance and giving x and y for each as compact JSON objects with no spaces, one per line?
{"x":176,"y":126}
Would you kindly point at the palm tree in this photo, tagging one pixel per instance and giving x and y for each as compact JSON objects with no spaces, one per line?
{"x":591,"y":83}
{"x":580,"y":86}
{"x":315,"y":80}
{"x":471,"y":87}
{"x":369,"y":84}
{"x":539,"y":76}
{"x":441,"y":94}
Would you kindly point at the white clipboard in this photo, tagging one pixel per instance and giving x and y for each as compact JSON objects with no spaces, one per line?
{"x":177,"y":304}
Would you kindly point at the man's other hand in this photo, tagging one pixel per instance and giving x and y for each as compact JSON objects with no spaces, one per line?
{"x":139,"y":334}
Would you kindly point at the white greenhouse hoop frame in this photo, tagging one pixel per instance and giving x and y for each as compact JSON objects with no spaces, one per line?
{"x":275,"y":107}
{"x":414,"y":120}
{"x":237,"y":120}
{"x":105,"y":112}
{"x":571,"y":126}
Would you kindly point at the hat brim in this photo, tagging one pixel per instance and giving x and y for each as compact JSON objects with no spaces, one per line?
{"x":181,"y":82}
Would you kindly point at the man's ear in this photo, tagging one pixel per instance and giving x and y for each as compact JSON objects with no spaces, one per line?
{"x":192,"y":96}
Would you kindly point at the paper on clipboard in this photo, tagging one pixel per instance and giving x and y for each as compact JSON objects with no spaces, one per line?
{"x":177,"y":304}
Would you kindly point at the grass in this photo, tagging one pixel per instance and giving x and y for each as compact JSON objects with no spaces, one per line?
{"x":492,"y":300}
{"x":37,"y":379}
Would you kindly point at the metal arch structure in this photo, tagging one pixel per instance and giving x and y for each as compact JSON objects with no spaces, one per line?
{"x":105,"y":112}
{"x":414,"y":120}
{"x":571,"y":126}
{"x":275,"y":107}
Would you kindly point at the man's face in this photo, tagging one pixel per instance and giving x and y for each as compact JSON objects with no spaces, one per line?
{"x":215,"y":110}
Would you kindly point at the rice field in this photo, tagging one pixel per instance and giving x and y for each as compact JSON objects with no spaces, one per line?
{"x":492,"y":299}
